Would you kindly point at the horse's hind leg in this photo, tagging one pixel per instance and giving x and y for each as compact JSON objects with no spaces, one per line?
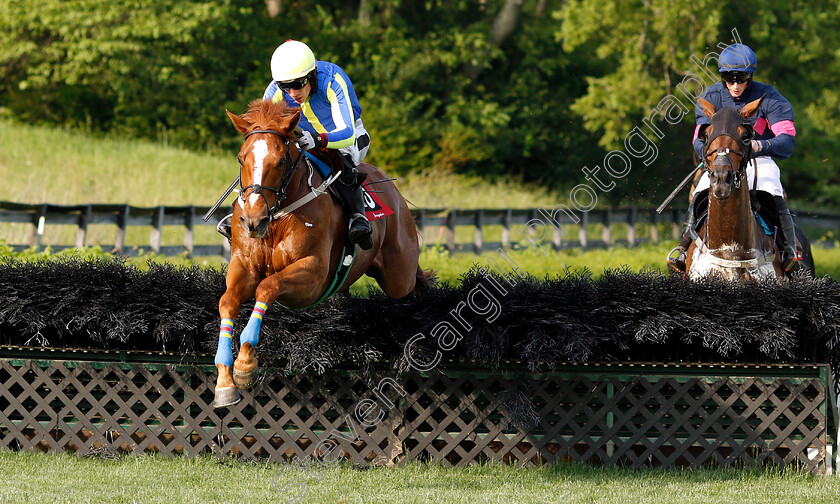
{"x":396,"y":269}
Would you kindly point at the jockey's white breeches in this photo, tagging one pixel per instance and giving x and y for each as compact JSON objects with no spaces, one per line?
{"x":356,"y":153}
{"x":768,"y":177}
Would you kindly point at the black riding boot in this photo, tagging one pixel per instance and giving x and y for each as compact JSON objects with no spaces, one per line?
{"x":790,"y":259}
{"x":679,"y":262}
{"x":353,"y":201}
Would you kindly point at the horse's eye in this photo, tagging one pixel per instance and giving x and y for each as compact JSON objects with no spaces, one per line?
{"x":239,"y":158}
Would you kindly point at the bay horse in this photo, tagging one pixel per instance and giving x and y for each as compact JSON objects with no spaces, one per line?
{"x":731,"y":242}
{"x":292,"y":255}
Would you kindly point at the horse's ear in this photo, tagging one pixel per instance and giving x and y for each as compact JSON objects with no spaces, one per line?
{"x":707,"y":107}
{"x":750,"y":108}
{"x":239,"y":122}
{"x":293,"y":122}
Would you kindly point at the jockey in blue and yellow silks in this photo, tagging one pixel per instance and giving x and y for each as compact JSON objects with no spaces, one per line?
{"x":331,"y":119}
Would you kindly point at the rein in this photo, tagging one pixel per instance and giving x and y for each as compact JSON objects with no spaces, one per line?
{"x":739,"y":174}
{"x":280,"y":190}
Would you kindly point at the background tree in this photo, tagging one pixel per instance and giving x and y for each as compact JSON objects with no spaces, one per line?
{"x":535,"y":89}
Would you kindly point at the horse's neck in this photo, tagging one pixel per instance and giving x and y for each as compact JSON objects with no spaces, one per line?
{"x":731,"y":222}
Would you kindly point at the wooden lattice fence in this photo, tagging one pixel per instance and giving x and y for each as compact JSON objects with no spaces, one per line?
{"x":632,"y":414}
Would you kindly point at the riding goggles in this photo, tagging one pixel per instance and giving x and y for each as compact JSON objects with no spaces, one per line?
{"x":736,"y":77}
{"x":293,"y":84}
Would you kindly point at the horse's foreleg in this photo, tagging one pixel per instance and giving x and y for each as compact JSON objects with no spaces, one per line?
{"x":225,"y":391}
{"x":240,"y":286}
{"x":299,"y":278}
{"x":245,"y":367}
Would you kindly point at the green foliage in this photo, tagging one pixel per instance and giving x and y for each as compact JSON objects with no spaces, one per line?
{"x":147,"y":68}
{"x":644,"y":50}
{"x":437,"y":88}
{"x":643,"y":47}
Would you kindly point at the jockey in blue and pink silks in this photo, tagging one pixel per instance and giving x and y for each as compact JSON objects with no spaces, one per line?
{"x":775,"y":136}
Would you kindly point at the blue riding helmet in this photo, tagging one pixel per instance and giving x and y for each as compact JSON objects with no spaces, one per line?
{"x":737,"y":58}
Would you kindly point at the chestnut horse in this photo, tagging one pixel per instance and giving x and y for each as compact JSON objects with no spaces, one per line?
{"x":288,"y":239}
{"x":731,"y":243}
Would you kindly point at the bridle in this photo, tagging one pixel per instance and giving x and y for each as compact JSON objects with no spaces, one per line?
{"x":721,"y":155}
{"x":280,"y":190}
{"x":721,"y":158}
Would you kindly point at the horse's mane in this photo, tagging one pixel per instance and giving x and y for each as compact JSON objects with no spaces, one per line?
{"x":270,"y":116}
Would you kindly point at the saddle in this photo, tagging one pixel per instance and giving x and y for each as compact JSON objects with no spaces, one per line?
{"x":328,"y":162}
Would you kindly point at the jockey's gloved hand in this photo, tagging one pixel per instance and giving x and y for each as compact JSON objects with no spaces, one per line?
{"x":308,"y":141}
{"x":757,"y":146}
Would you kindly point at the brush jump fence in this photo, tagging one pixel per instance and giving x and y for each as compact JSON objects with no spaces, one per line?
{"x":624,"y":226}
{"x":553,"y":371}
{"x":105,"y":402}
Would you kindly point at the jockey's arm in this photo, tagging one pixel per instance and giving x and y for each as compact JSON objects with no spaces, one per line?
{"x":780,"y":118}
{"x":780,"y":146}
{"x":698,"y":145}
{"x":779,"y":114}
{"x":700,"y":119}
{"x":344,"y":133}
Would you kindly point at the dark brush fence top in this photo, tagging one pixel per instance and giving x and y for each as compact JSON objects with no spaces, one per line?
{"x":105,"y":303}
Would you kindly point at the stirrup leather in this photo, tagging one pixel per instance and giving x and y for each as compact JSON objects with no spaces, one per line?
{"x":677,"y":262}
{"x":224,"y":226}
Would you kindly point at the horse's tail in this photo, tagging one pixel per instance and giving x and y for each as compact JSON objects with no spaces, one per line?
{"x":807,"y":256}
{"x":426,"y":279}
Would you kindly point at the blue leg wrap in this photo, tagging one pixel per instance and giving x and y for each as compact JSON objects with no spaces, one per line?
{"x":224,"y":354}
{"x":251,"y":334}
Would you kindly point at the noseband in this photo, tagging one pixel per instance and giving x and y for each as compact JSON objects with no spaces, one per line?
{"x":280,"y":190}
{"x":722,"y":159}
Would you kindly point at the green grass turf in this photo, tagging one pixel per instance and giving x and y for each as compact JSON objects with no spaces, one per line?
{"x":48,"y":478}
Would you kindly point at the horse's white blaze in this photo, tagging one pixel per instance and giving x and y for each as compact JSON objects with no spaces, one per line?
{"x":260,"y":151}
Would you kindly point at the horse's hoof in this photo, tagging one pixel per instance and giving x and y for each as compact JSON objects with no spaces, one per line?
{"x":245,"y":379}
{"x":226,"y":396}
{"x":245,"y":368}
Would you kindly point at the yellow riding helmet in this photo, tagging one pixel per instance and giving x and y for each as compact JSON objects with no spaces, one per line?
{"x":291,"y":60}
